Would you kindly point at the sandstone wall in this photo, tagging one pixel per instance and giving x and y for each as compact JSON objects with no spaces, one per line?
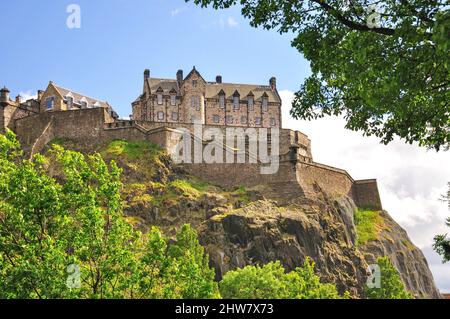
{"x":296,"y":176}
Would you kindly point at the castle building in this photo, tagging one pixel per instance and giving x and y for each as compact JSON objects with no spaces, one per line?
{"x":161,"y":114}
{"x":54,"y":99}
{"x":192,"y":99}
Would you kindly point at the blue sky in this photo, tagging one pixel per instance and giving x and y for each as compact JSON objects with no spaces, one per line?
{"x":118,"y":39}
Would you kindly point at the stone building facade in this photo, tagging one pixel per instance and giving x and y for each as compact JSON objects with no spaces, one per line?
{"x":53,"y":99}
{"x":192,"y":99}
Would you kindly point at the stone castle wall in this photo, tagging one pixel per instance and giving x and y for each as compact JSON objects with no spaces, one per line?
{"x":298,"y":175}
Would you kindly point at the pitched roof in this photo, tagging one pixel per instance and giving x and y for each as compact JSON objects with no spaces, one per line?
{"x":166,"y":85}
{"x":78,"y":97}
{"x":213,"y":89}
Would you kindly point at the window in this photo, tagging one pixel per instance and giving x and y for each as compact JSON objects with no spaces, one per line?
{"x":265,"y":104}
{"x":50,"y":102}
{"x":216,"y":118}
{"x":250,"y":103}
{"x":243,"y":119}
{"x":174,"y":116}
{"x":273,"y":122}
{"x":173,"y":100}
{"x":229,"y":119}
{"x":83,"y":104}
{"x":69,"y":102}
{"x":222,"y":101}
{"x":194,"y":83}
{"x":257,"y":120}
{"x":236,"y":102}
{"x":160,"y":98}
{"x":160,"y":116}
{"x":195,"y":102}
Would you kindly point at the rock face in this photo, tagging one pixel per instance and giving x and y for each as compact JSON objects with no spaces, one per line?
{"x":407,"y":258}
{"x":262,"y":232}
{"x":242,"y":227}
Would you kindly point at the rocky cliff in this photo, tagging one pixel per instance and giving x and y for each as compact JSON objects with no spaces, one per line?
{"x":239,"y":227}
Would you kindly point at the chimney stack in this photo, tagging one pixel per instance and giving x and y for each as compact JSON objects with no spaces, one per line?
{"x":146,"y":74}
{"x":180,"y":77}
{"x":40,"y":94}
{"x":4,"y":96}
{"x":273,"y":83}
{"x":219,"y":79}
{"x":18,"y":99}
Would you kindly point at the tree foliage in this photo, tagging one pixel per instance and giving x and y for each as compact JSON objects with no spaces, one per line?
{"x":383,"y":64}
{"x":62,"y":214}
{"x":442,"y":242}
{"x":272,"y":282}
{"x":391,"y":286}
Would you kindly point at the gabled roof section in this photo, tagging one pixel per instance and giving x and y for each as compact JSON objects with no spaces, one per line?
{"x":214,"y":89}
{"x":78,"y":97}
{"x":194,"y":71}
{"x":166,"y":85}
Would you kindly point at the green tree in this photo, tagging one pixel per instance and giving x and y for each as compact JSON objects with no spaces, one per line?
{"x":442,"y":242}
{"x":391,"y":286}
{"x":383,"y":64}
{"x":62,"y":213}
{"x":272,"y":282}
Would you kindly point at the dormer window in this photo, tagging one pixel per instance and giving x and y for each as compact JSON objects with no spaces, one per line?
{"x":83,"y":103}
{"x":69,"y":102}
{"x":50,"y":102}
{"x":265,"y":103}
{"x":222,"y":99}
{"x":173,"y":100}
{"x":236,"y":100}
{"x":251,"y":103}
{"x":159,"y":97}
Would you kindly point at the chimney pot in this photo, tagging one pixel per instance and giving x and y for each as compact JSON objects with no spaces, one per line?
{"x":180,"y":77}
{"x":146,"y":74}
{"x":273,"y":83}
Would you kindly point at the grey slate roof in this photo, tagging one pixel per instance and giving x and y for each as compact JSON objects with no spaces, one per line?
{"x":213,"y":89}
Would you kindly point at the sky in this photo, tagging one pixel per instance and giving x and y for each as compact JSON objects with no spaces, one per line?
{"x":118,"y":39}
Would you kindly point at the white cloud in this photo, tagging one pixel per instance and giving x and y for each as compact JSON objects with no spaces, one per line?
{"x":176,"y":11}
{"x":229,"y":22}
{"x":411,"y":179}
{"x":28,"y":95}
{"x":232,"y":22}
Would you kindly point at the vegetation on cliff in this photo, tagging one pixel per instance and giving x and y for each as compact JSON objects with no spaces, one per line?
{"x":390,"y":285}
{"x":368,"y":225}
{"x":63,"y":235}
{"x":122,"y":227}
{"x":272,"y":281}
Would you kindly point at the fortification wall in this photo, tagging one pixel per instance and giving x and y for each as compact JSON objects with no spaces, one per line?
{"x":367,"y":194}
{"x":297,"y":175}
